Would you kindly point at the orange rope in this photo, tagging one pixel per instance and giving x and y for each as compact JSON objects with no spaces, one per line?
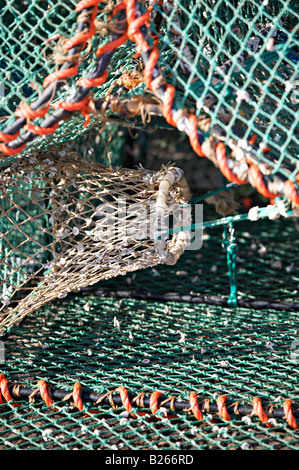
{"x":154,"y":401}
{"x":135,"y":24}
{"x":135,"y":34}
{"x":68,"y":106}
{"x":41,"y":130}
{"x":222,"y":408}
{"x":124,"y":398}
{"x":42,"y":385}
{"x":77,"y":390}
{"x":259,"y":411}
{"x":167,"y":105}
{"x":117,"y":8}
{"x":193,"y":137}
{"x":1,"y":378}
{"x":223,"y":166}
{"x":60,"y":75}
{"x":4,"y":390}
{"x":86,"y":4}
{"x":150,"y":65}
{"x":82,"y":38}
{"x":291,"y":191}
{"x":112,"y":45}
{"x":287,"y":407}
{"x":194,"y":406}
{"x":8,"y":137}
{"x":252,"y":140}
{"x":9,"y":151}
{"x":82,"y":106}
{"x":257,"y":181}
{"x":28,"y":113}
{"x":93,"y":82}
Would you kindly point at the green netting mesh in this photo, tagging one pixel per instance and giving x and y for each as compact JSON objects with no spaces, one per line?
{"x":147,"y":346}
{"x":173,"y":347}
{"x":236,"y":61}
{"x":265,"y":251}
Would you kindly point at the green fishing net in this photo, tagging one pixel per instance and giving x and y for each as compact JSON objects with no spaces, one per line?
{"x":223,"y":320}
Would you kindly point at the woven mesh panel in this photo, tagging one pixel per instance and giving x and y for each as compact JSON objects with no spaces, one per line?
{"x":234,"y":65}
{"x":79,"y":222}
{"x":234,"y":62}
{"x":174,"y":348}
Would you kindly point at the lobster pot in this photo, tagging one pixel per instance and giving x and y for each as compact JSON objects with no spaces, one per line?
{"x":67,"y":223}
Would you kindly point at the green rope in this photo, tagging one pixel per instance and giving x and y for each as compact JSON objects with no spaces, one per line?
{"x":227,"y":187}
{"x":261,"y":213}
{"x":231,"y":248}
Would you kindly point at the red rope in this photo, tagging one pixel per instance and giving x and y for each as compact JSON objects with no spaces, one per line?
{"x":8,"y":137}
{"x":149,"y":67}
{"x":167,"y":105}
{"x":124,"y":398}
{"x":77,"y":390}
{"x":42,"y":385}
{"x":4,"y":390}
{"x":222,"y":408}
{"x":291,"y":192}
{"x":41,"y":130}
{"x":259,"y":411}
{"x":154,"y":401}
{"x":60,"y":75}
{"x":194,"y":406}
{"x":82,"y":106}
{"x":9,"y":151}
{"x":112,"y":45}
{"x":223,"y":166}
{"x":193,"y":137}
{"x":287,"y":407}
{"x":28,"y":113}
{"x":257,"y":181}
{"x":93,"y":82}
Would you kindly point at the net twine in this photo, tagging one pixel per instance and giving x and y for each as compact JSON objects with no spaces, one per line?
{"x":93,"y":223}
{"x":156,"y":401}
{"x":236,"y":168}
